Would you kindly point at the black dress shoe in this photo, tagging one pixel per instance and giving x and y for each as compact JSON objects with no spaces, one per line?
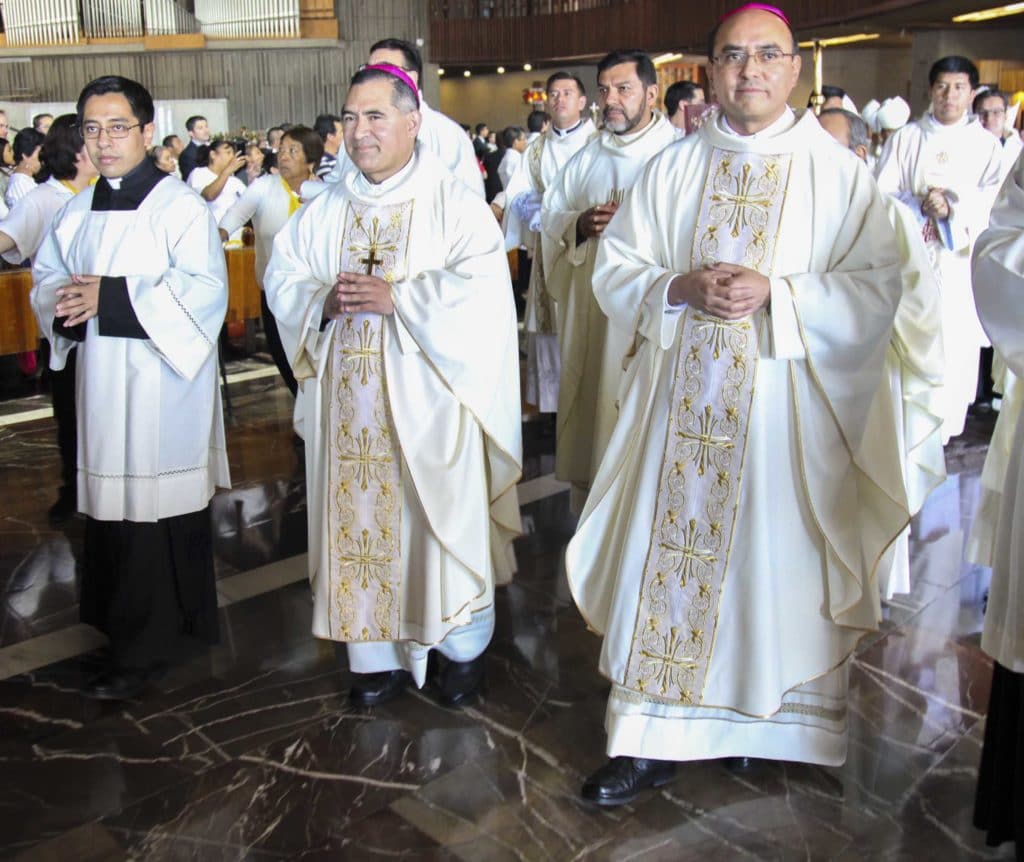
{"x":371,"y":689}
{"x":117,"y":683}
{"x":622,"y":779}
{"x":461,"y":682}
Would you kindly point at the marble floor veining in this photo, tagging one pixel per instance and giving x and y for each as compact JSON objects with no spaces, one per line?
{"x":251,"y":751}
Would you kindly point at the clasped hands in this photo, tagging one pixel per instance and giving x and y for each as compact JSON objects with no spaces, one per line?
{"x":79,"y":300}
{"x":935,"y":204}
{"x":725,"y":290}
{"x":354,"y":292}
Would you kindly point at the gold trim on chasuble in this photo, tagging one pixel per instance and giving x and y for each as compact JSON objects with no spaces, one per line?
{"x":364,"y":500}
{"x":698,"y":490}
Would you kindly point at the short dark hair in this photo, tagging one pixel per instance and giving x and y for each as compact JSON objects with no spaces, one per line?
{"x":645,"y":70}
{"x":203,"y":155}
{"x":274,"y":129}
{"x":168,"y":138}
{"x":952,"y":66}
{"x":535,"y":122}
{"x":60,"y":149}
{"x":480,"y":127}
{"x":26,"y":142}
{"x":988,"y":94}
{"x":680,"y":91}
{"x":403,"y":96}
{"x":510,"y":135}
{"x":325,"y":125}
{"x":564,"y":76}
{"x":713,"y":35}
{"x":139,"y":99}
{"x":830,"y":91}
{"x":310,"y":141}
{"x":411,"y":54}
{"x":190,"y":123}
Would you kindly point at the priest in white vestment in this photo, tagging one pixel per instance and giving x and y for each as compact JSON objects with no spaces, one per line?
{"x":910,"y":396}
{"x":544,"y":158}
{"x":945,"y":167}
{"x":392,"y":293}
{"x":439,"y":134}
{"x":998,"y":284}
{"x":133,"y":270}
{"x":69,"y":170}
{"x":269,"y":202}
{"x":577,"y":208}
{"x":729,"y":546}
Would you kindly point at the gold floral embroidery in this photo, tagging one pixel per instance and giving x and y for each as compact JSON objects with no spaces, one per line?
{"x":698,"y":493}
{"x":364,"y":513}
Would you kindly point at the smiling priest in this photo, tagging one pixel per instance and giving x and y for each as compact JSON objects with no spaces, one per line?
{"x":728,"y":547}
{"x":392,"y":293}
{"x":134,"y":270}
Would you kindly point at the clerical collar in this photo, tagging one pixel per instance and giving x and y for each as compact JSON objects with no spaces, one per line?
{"x":963,"y":121}
{"x":564,"y":133}
{"x":782,"y":124}
{"x":127,"y":192}
{"x":636,"y":134}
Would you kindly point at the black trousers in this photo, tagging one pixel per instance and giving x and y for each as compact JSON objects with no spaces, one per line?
{"x":62,"y":390}
{"x":150,"y":587}
{"x":275,"y":347}
{"x":999,"y":803}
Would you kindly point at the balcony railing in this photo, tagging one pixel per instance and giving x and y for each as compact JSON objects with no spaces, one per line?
{"x":69,"y":22}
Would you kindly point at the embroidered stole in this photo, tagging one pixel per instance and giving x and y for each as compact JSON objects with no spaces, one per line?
{"x":364,"y":502}
{"x":699,"y":486}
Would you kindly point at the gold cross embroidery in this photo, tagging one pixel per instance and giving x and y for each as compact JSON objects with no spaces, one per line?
{"x":705,"y":441}
{"x":744,"y":201}
{"x":364,"y":353}
{"x":367,"y":562}
{"x":716,"y":331}
{"x":667,"y":664}
{"x":687,"y":554}
{"x":367,"y":457}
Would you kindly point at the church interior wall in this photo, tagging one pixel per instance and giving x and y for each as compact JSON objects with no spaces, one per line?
{"x":978,"y":45}
{"x":262,"y":86}
{"x":498,"y":99}
{"x":865,"y":73}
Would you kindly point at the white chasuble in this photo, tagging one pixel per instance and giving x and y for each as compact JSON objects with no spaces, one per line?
{"x":413,"y":444}
{"x":542,"y":162}
{"x":965,"y":160}
{"x":591,"y":352}
{"x":912,"y":384}
{"x":150,"y":428}
{"x":748,"y":495}
{"x":998,"y":281}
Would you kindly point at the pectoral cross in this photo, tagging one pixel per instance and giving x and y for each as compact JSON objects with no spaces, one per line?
{"x":371,"y":260}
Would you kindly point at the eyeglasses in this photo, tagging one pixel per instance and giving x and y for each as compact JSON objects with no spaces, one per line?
{"x":92,"y":131}
{"x":995,"y":112}
{"x":764,"y":57}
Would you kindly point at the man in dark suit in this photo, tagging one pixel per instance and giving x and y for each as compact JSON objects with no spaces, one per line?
{"x":199,"y":135}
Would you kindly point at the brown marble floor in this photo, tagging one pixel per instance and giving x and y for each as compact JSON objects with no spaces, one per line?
{"x":251,"y":751}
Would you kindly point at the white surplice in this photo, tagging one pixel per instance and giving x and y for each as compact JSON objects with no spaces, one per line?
{"x":965,"y":160}
{"x":150,"y":428}
{"x":729,"y":545}
{"x":413,"y":438}
{"x":914,"y":369}
{"x":998,"y":282}
{"x":542,"y":160}
{"x":591,"y":351}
